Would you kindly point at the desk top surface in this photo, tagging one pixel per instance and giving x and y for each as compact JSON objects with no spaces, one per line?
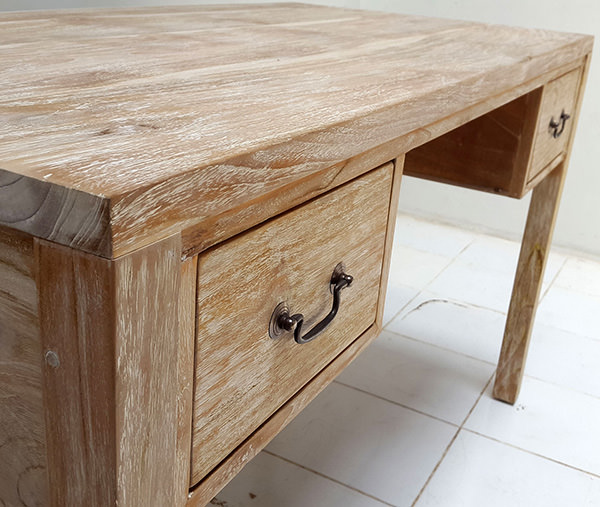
{"x":118,"y":104}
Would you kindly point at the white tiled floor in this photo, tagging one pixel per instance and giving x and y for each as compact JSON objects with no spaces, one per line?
{"x":412,"y":421}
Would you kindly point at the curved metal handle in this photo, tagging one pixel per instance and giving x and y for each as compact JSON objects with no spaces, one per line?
{"x":282,"y":321}
{"x":556,"y":128}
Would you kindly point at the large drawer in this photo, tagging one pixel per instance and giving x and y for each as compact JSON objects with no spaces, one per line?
{"x":555,"y":120}
{"x":242,"y":374}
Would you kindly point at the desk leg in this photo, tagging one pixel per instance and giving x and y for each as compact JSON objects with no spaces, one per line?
{"x":110,"y":333}
{"x":528,"y":282}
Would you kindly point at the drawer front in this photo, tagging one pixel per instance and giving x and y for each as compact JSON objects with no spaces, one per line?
{"x":242,"y":375}
{"x":553,"y":128}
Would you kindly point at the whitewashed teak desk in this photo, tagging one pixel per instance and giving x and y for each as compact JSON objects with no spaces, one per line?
{"x":197,"y":209}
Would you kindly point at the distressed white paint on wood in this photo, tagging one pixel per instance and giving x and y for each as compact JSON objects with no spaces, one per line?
{"x":185,"y":377}
{"x":112,"y":397}
{"x":207,"y":110}
{"x":558,"y":96}
{"x":535,"y":246}
{"x":528,"y":283}
{"x":203,"y":492}
{"x":243,"y":375}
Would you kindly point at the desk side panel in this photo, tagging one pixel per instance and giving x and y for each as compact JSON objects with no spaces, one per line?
{"x":489,"y":153}
{"x":111,"y":391}
{"x":22,"y":440}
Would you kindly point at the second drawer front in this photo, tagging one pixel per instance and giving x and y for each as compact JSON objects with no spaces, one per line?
{"x":242,"y":375}
{"x":558,"y":96}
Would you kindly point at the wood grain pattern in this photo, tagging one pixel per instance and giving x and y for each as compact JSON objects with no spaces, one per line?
{"x":161,"y":140}
{"x":247,"y":215}
{"x":53,"y":212}
{"x":389,"y":238}
{"x":537,"y":237}
{"x":202,"y":493}
{"x":234,"y":462}
{"x":506,"y":151}
{"x":185,"y":376}
{"x":531,"y":184}
{"x":243,"y":375}
{"x":558,"y":95}
{"x":77,"y":320}
{"x":234,"y":220}
{"x":528,"y":282}
{"x":220,"y":227}
{"x":111,"y":381}
{"x":147,"y":285}
{"x":211,"y":121}
{"x":22,"y":431}
{"x":490,"y":153}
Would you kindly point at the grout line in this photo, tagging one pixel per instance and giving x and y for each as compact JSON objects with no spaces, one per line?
{"x":461,"y":427}
{"x":553,"y":279}
{"x":460,"y":225}
{"x":562,"y":386}
{"x":438,"y":297}
{"x":424,"y":288}
{"x":439,"y":347}
{"x":328,"y":478}
{"x":396,"y":403}
{"x":435,"y":468}
{"x":452,"y":261}
{"x":415,"y":217}
{"x":466,"y":246}
{"x":452,"y":441}
{"x":576,"y":254}
{"x":477,"y":401}
{"x":553,"y":460}
{"x":402,"y":309}
{"x":480,"y":230}
{"x":491,"y":363}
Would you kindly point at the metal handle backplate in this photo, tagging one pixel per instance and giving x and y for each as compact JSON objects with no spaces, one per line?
{"x":282,"y":321}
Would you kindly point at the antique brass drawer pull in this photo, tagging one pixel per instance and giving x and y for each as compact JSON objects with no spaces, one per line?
{"x":282,"y":321}
{"x":557,"y":127}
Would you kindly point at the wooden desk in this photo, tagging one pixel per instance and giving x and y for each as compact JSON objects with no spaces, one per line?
{"x":170,"y":177}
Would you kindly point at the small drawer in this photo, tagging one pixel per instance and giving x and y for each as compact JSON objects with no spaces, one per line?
{"x":555,"y":121}
{"x":242,"y":373}
{"x":504,"y":150}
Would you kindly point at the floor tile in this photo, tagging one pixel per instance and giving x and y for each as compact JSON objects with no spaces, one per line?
{"x":549,"y":420}
{"x":437,"y":382}
{"x":269,"y":481}
{"x":375,"y":446}
{"x":580,"y":275}
{"x":397,"y":297}
{"x":445,"y":309}
{"x":553,"y":266}
{"x":415,"y":268}
{"x":493,"y":253}
{"x":565,"y":358}
{"x":474,"y":284}
{"x":431,"y":237}
{"x":502,"y":255}
{"x":571,"y":311}
{"x":472,"y":331}
{"x":478,"y":471}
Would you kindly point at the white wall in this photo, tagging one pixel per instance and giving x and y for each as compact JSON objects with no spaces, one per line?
{"x":578,"y":226}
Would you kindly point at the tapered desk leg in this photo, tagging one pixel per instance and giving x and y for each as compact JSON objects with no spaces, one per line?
{"x":528,"y":282}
